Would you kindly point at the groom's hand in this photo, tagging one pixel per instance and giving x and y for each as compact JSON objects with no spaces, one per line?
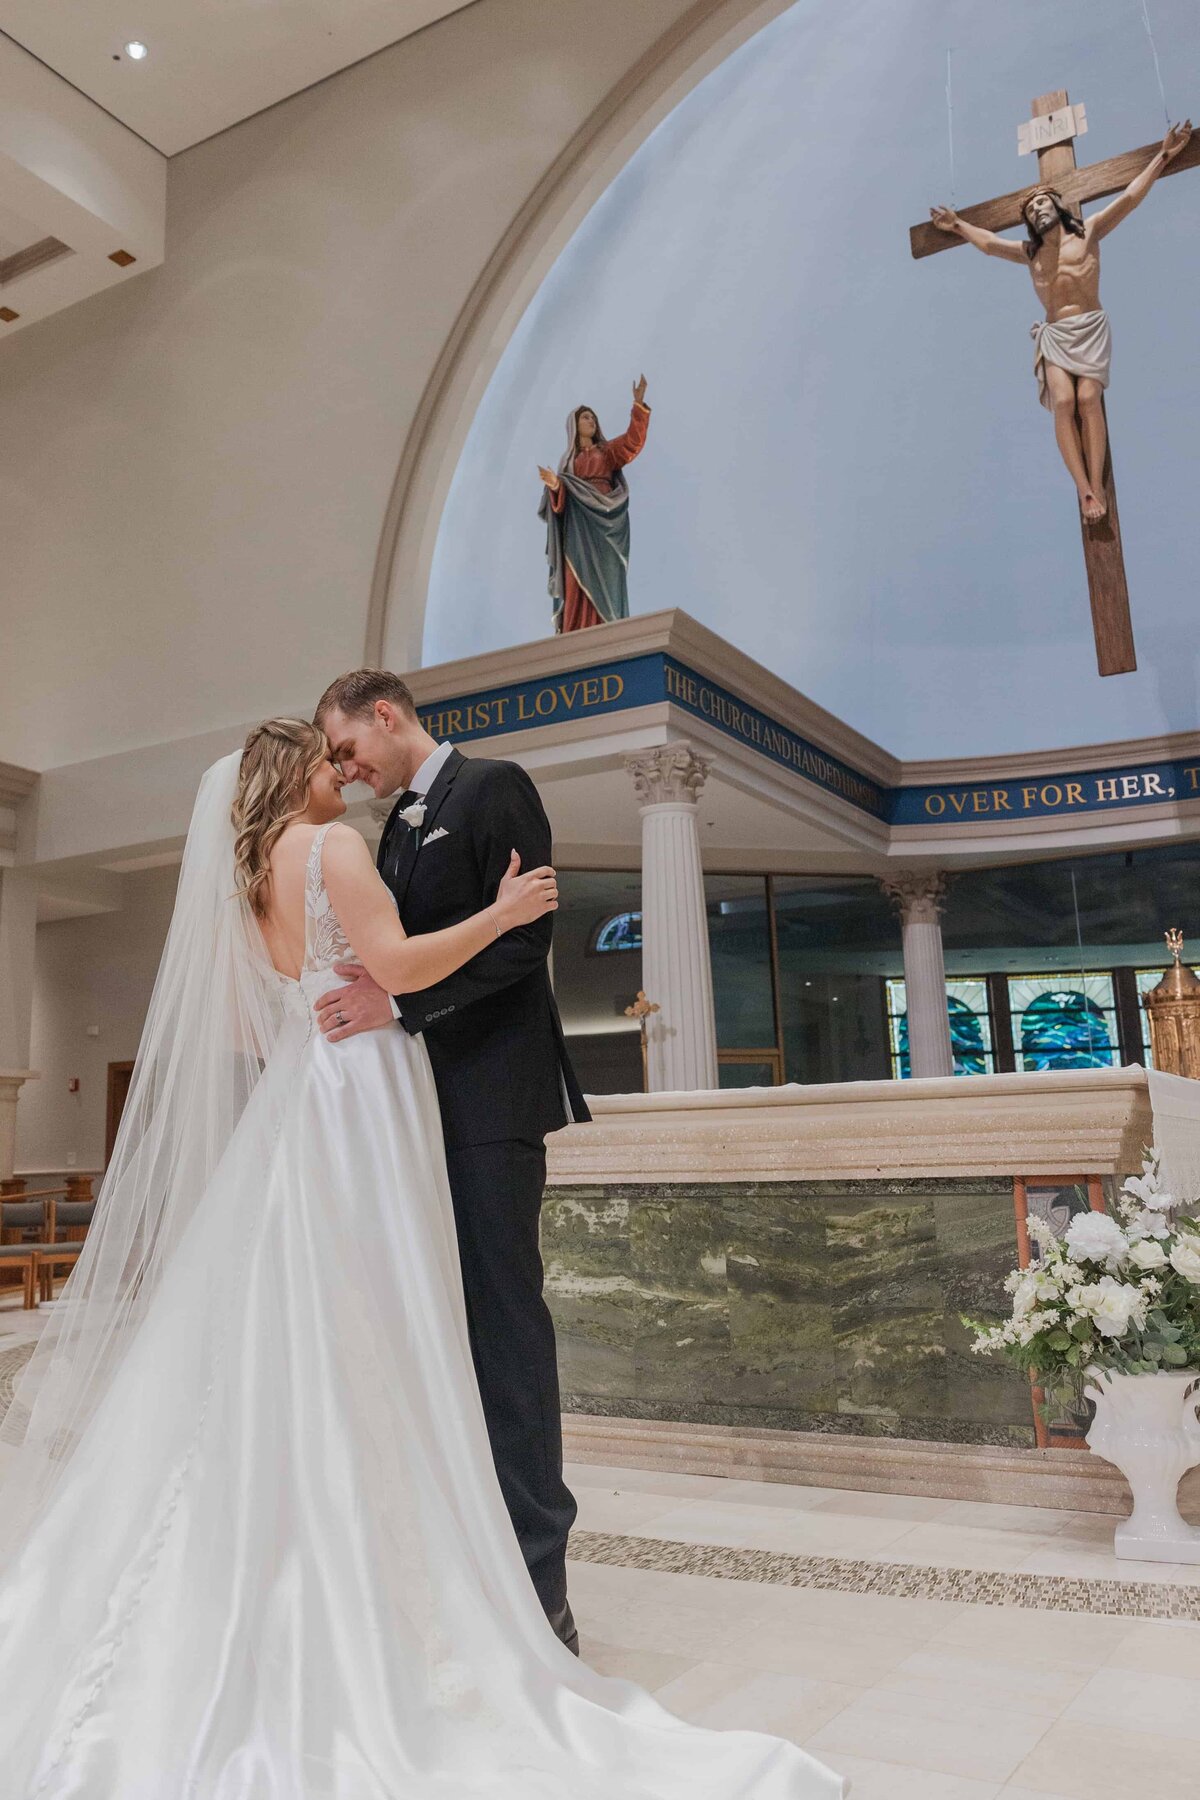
{"x":361,"y":1006}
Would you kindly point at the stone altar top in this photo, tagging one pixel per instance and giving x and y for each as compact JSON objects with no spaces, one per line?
{"x":1054,"y":1123}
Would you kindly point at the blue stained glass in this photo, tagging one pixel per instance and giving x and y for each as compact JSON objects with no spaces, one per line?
{"x":622,"y":932}
{"x":1065,"y":1030}
{"x":966,"y":1040}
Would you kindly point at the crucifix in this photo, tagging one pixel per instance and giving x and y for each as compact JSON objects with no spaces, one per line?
{"x":1072,"y":348}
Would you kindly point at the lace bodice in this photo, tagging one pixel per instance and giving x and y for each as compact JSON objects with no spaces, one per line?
{"x":324,"y":940}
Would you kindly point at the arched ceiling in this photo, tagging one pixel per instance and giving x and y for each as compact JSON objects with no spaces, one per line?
{"x":848,"y":472}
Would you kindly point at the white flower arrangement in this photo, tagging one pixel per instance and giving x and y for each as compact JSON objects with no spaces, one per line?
{"x":1114,"y":1293}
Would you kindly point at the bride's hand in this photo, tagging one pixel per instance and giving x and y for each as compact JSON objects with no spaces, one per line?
{"x":522,"y":899}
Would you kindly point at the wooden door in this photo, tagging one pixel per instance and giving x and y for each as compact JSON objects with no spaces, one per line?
{"x":119,"y":1076}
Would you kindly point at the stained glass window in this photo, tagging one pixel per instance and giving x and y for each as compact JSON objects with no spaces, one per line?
{"x":623,"y":931}
{"x":970,"y":1028}
{"x":1063,"y":1022}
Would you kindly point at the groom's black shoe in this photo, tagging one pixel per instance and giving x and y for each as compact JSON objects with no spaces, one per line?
{"x":564,"y":1627}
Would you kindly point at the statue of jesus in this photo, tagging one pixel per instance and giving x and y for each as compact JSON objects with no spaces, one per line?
{"x":1072,"y":345}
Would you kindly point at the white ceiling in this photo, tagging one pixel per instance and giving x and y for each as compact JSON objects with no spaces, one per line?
{"x":211,"y":62}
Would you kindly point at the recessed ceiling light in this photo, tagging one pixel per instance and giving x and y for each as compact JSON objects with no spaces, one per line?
{"x":137,"y":50}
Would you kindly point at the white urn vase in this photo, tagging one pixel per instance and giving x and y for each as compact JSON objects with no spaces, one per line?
{"x":1147,"y":1426}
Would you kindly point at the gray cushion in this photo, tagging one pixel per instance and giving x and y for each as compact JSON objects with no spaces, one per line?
{"x":75,"y":1212}
{"x":22,"y":1212}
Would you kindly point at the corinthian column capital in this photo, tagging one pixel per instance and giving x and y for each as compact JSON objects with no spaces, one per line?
{"x":917,"y":894}
{"x":669,"y":775}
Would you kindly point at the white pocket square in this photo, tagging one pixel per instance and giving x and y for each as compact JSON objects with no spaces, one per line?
{"x":433,"y":837}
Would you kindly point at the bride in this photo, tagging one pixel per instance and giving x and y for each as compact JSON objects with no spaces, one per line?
{"x":252,"y":1546}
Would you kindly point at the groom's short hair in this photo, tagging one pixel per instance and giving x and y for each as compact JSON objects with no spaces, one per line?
{"x":354,"y":695}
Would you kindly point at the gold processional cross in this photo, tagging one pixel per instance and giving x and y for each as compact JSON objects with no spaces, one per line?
{"x":1051,"y":132}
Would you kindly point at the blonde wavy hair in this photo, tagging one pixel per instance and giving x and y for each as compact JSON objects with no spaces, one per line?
{"x":280,"y":758}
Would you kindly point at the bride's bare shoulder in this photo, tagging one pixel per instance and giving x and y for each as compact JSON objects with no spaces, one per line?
{"x":346,"y":851}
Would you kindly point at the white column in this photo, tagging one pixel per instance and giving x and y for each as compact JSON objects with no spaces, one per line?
{"x":676,"y":965}
{"x":919,"y":895}
{"x":18,"y":928}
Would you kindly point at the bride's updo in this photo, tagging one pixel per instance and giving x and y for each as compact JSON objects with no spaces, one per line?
{"x":278,"y":763}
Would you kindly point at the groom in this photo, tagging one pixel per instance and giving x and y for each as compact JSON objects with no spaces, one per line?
{"x":503,"y":1075}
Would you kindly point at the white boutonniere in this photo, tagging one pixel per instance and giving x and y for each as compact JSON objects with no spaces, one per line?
{"x":433,"y":837}
{"x":414,"y":815}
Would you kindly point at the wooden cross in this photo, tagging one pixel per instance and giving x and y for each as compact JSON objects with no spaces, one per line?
{"x":1102,"y":553}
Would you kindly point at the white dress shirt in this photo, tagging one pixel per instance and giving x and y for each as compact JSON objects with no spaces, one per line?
{"x":422,"y":781}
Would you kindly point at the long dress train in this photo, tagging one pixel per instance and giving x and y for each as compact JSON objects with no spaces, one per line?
{"x":280,"y":1567}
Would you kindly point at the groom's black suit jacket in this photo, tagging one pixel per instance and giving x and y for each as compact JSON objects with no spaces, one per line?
{"x":492,"y":1028}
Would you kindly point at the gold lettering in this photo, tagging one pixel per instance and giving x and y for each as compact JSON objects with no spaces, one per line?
{"x":1000,"y":801}
{"x":591,"y":690}
{"x":501,"y":705}
{"x":569,"y":694}
{"x":1193,"y":776}
{"x":1051,"y":787}
{"x":550,"y":697}
{"x":614,"y":687}
{"x":1028,"y":796}
{"x":958,"y":801}
{"x":935,"y":804}
{"x":1106,"y":790}
{"x":521,"y":710}
{"x":979,"y":801}
{"x":1075,"y":794}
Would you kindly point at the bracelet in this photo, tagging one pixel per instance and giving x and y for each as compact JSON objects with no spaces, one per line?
{"x":491,"y":915}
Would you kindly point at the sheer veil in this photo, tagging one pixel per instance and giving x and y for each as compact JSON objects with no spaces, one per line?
{"x":214,"y":1018}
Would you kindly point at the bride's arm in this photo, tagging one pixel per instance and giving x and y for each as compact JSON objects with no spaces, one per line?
{"x":404,"y":965}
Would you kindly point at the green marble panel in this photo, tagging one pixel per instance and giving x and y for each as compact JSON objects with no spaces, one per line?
{"x":976,"y":1249}
{"x":590,"y":1289}
{"x":780,"y":1316}
{"x":677,"y":1250}
{"x":819,"y":1306}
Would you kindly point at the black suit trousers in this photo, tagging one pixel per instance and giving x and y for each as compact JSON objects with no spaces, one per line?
{"x":497,"y":1194}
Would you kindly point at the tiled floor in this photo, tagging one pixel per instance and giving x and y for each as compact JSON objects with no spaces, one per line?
{"x":912,"y":1698}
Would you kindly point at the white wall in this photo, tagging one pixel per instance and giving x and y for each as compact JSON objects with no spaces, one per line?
{"x":93,"y":971}
{"x":194,"y":468}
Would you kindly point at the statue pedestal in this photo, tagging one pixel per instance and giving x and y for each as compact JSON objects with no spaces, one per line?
{"x":11,"y":1083}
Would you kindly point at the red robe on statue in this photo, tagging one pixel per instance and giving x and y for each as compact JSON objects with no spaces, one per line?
{"x":596,"y":464}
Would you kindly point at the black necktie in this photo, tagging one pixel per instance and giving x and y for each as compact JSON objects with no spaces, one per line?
{"x":394,"y":849}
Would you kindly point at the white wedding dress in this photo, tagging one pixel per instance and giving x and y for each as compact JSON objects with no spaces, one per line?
{"x":279,"y":1566}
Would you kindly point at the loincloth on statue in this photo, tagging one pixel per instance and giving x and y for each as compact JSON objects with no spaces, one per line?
{"x":1082,"y":346}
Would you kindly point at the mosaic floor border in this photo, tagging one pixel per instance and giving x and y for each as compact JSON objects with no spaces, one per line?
{"x":11,"y":1364}
{"x":908,"y":1581}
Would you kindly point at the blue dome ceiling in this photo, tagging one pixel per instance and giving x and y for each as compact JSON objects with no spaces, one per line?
{"x":848,"y":473}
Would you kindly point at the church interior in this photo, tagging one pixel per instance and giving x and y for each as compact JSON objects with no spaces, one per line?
{"x":873,"y":773}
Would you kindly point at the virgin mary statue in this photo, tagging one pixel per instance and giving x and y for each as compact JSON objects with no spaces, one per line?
{"x":586,"y":509}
